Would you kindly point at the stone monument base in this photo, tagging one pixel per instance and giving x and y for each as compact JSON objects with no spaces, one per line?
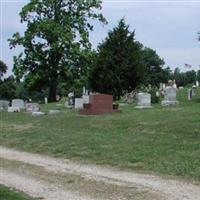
{"x":169,"y":103}
{"x":141,"y":107}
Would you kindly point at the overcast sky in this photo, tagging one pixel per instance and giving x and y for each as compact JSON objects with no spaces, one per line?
{"x":169,"y":27}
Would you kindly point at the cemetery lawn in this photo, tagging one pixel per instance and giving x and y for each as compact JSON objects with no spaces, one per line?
{"x":161,"y":140}
{"x":10,"y":194}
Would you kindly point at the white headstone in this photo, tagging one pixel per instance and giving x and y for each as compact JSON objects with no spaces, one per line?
{"x":79,"y":103}
{"x":46,"y":100}
{"x":169,"y":97}
{"x":71,"y":94}
{"x":194,"y":90}
{"x":197,"y":83}
{"x":18,"y":103}
{"x":86,"y":98}
{"x":174,"y":85}
{"x":4,"y":105}
{"x":164,"y":86}
{"x":189,"y":94}
{"x":13,"y":109}
{"x":144,"y":100}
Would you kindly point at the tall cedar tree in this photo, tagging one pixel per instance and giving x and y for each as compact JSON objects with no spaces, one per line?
{"x":118,"y":66}
{"x":57,"y":32}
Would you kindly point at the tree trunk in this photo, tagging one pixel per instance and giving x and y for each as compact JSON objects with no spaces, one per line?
{"x":52,"y":93}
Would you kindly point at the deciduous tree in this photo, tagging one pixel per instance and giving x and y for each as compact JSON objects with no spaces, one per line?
{"x":3,"y":69}
{"x":57,"y":32}
{"x":154,"y":72}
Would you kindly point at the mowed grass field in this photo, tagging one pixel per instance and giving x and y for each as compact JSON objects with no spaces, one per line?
{"x":10,"y":194}
{"x":161,"y":140}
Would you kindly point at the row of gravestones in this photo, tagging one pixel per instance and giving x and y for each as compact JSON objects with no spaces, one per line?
{"x":17,"y":105}
{"x":77,"y":103}
{"x":144,"y":99}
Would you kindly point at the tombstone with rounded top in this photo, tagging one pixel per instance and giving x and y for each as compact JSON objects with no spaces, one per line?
{"x":144,"y":100}
{"x":169,"y":97}
{"x":18,"y":103}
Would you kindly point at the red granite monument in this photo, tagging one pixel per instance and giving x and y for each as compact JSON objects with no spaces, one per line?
{"x":99,"y":104}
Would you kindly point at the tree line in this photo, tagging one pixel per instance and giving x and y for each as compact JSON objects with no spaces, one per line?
{"x":58,"y":57}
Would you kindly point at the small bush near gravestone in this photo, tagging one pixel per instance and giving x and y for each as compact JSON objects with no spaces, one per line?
{"x":154,"y":97}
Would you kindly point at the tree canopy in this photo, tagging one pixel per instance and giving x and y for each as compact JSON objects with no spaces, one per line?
{"x":118,"y":65}
{"x":8,"y":88}
{"x":57,"y":33}
{"x":154,"y":74}
{"x":185,"y":78}
{"x":3,"y":69}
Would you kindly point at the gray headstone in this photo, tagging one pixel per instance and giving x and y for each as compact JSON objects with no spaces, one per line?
{"x":46,"y":100}
{"x":144,"y":100}
{"x":4,"y":105}
{"x":79,"y":103}
{"x":189,"y":94}
{"x":86,"y":98}
{"x":18,"y":103}
{"x":170,"y":94}
{"x":169,"y":97}
{"x":32,"y":107}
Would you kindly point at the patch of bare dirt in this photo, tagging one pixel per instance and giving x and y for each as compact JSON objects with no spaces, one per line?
{"x":16,"y":127}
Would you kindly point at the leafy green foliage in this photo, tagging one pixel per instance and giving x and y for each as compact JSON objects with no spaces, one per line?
{"x":184,"y":78}
{"x":3,"y":69}
{"x":154,"y":73}
{"x":56,"y":34}
{"x":8,"y":88}
{"x":118,"y":65}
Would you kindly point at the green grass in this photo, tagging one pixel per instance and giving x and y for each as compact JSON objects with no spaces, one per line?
{"x":161,"y":140}
{"x":10,"y":194}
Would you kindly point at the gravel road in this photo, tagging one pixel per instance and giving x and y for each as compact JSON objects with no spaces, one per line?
{"x":88,"y":182}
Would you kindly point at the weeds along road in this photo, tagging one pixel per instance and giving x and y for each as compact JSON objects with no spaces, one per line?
{"x":52,"y":178}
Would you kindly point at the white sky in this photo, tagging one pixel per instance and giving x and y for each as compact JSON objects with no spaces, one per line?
{"x":169,"y":27}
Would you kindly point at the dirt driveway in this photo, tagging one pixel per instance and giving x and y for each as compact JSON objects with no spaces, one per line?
{"x":59,"y":179}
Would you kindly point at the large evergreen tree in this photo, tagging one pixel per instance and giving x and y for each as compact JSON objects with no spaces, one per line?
{"x":118,"y":66}
{"x":57,"y":32}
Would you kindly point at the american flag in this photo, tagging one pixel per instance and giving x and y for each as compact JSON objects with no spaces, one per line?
{"x":188,"y":66}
